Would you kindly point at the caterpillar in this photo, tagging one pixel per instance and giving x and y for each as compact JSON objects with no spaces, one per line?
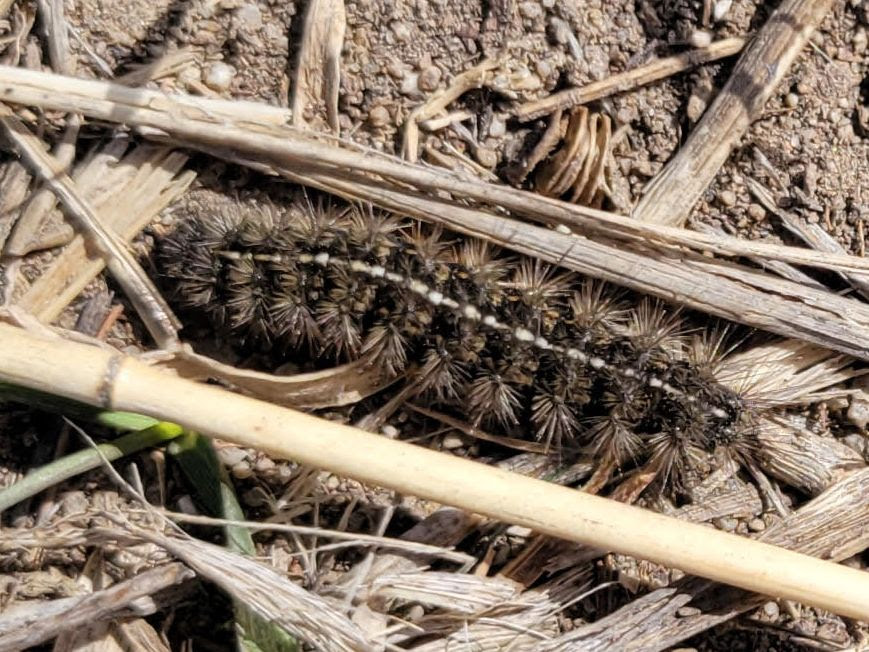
{"x":503,"y":341}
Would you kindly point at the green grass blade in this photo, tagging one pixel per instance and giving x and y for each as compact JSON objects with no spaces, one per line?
{"x":196,"y":457}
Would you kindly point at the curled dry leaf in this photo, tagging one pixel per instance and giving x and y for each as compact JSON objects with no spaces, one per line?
{"x":334,"y":387}
{"x":579,"y":170}
{"x":318,"y":70}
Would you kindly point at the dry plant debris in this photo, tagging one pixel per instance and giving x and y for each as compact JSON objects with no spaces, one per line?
{"x":579,"y":169}
{"x":585,"y":103}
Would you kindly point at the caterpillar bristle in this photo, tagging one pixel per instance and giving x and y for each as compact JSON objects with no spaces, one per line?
{"x":594,"y":306}
{"x":493,"y":399}
{"x":479,"y":272}
{"x":247,"y":297}
{"x":539,"y":285}
{"x":387,"y":344}
{"x":427,"y":245}
{"x":673,"y":455}
{"x":372,"y":232}
{"x":554,"y":419}
{"x":340,"y":315}
{"x":291,"y":315}
{"x":612,"y":437}
{"x":708,"y":349}
{"x":502,"y":341}
{"x":441,"y":375}
{"x":653,"y":324}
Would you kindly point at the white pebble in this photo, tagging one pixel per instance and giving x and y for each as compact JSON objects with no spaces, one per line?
{"x":700,"y":38}
{"x":219,"y":76}
{"x":720,"y":8}
{"x":231,"y":455}
{"x":498,"y":126}
{"x":248,"y":17}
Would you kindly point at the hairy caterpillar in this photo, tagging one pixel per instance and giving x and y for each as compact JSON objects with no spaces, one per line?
{"x":506,"y":342}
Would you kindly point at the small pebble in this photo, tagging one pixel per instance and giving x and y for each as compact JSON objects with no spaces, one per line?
{"x":486,"y":157}
{"x":519,"y":531}
{"x":219,"y":76}
{"x":498,"y":126}
{"x":415,"y":613}
{"x":73,"y":502}
{"x":696,"y":107}
{"x":726,"y":523}
{"x":333,"y":482}
{"x":231,"y":455}
{"x":792,"y":100}
{"x":700,"y":38}
{"x":543,"y":68}
{"x":396,"y":70}
{"x":452,"y":442}
{"x":429,"y":79}
{"x":248,"y":17}
{"x":727,"y":198}
{"x":756,"y":212}
{"x":771,"y":610}
{"x":264,"y":464}
{"x":858,"y":411}
{"x":531,"y":10}
{"x":378,"y":116}
{"x":720,"y":9}
{"x":757,"y":525}
{"x":410,"y":84}
{"x":389,"y":431}
{"x":242,"y":471}
{"x":400,"y":30}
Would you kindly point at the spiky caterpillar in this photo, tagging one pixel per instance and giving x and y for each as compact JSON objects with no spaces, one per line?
{"x":505,"y":341}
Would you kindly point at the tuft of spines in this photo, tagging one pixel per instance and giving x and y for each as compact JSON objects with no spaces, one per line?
{"x":507,"y":342}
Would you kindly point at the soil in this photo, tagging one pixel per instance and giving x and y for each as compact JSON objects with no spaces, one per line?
{"x":811,"y":146}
